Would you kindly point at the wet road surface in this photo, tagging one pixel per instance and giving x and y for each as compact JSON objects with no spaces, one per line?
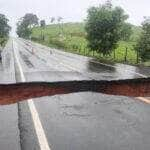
{"x":9,"y":131}
{"x":80,"y":121}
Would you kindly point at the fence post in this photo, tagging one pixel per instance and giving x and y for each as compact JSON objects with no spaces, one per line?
{"x":137,"y":58}
{"x":78,"y":48}
{"x":84,"y":51}
{"x":114,"y":54}
{"x":93,"y":52}
{"x":88,"y":51}
{"x":126,"y":53}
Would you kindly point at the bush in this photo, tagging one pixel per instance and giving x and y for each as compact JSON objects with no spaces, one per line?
{"x":57,"y":43}
{"x":3,"y":41}
{"x":78,"y":34}
{"x":143,"y":44}
{"x":35,"y":38}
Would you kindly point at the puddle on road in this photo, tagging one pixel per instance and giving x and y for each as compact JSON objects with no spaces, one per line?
{"x":98,"y":68}
{"x":126,"y":71}
{"x":119,"y":71}
{"x":26,"y":60}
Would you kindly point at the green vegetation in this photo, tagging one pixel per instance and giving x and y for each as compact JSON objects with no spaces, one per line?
{"x":143,"y":44}
{"x":3,"y":41}
{"x":105,"y":35}
{"x":136,"y":32}
{"x":73,"y":40}
{"x":4,"y":29}
{"x":105,"y":26}
{"x":25,"y":25}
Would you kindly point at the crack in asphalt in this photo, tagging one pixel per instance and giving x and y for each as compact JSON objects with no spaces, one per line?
{"x":23,"y":124}
{"x":76,"y":114}
{"x":26,"y":60}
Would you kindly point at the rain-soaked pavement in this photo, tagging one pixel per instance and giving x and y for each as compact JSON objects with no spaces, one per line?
{"x":79,"y":121}
{"x":9,"y":131}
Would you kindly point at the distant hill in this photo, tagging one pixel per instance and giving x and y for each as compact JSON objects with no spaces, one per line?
{"x":74,"y":29}
{"x":56,"y":29}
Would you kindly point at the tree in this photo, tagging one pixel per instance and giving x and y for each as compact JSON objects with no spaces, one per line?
{"x":4,"y":27}
{"x":42,"y":23}
{"x":25,"y":25}
{"x":59,"y":19}
{"x":52,"y":19}
{"x":30,"y":20}
{"x":126,"y":31}
{"x":143,"y":44}
{"x":22,"y":30}
{"x":103,"y":27}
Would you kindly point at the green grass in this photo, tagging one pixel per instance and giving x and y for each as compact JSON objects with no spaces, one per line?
{"x":121,"y":50}
{"x":54,"y":30}
{"x":71,"y":37}
{"x":3,"y":41}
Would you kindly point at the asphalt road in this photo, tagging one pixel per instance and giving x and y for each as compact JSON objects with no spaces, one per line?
{"x":9,"y":131}
{"x":79,"y":121}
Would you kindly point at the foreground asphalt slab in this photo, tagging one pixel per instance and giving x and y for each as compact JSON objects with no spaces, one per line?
{"x":9,"y":131}
{"x":81,"y":121}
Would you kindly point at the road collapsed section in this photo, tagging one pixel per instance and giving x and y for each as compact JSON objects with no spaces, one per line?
{"x":22,"y":91}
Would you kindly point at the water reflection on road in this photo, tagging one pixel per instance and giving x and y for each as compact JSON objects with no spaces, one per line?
{"x":116,"y":71}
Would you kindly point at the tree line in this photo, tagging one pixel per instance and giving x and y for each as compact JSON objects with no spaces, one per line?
{"x":28,"y":21}
{"x":4,"y":29}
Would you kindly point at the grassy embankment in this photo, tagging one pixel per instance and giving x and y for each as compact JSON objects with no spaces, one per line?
{"x":3,"y":41}
{"x":71,"y":37}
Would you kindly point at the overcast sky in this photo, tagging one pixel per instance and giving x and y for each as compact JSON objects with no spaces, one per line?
{"x":70,"y":10}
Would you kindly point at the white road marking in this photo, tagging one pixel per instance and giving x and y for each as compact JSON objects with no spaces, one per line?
{"x":144,"y":100}
{"x":43,"y":143}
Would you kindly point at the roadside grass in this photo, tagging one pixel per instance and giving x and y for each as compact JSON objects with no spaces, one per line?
{"x":121,"y":52}
{"x":3,"y":41}
{"x":55,"y":29}
{"x":70,"y":37}
{"x":147,"y":64}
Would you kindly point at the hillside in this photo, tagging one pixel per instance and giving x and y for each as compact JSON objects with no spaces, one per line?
{"x":55,"y":29}
{"x":71,"y":37}
{"x":75,"y":29}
